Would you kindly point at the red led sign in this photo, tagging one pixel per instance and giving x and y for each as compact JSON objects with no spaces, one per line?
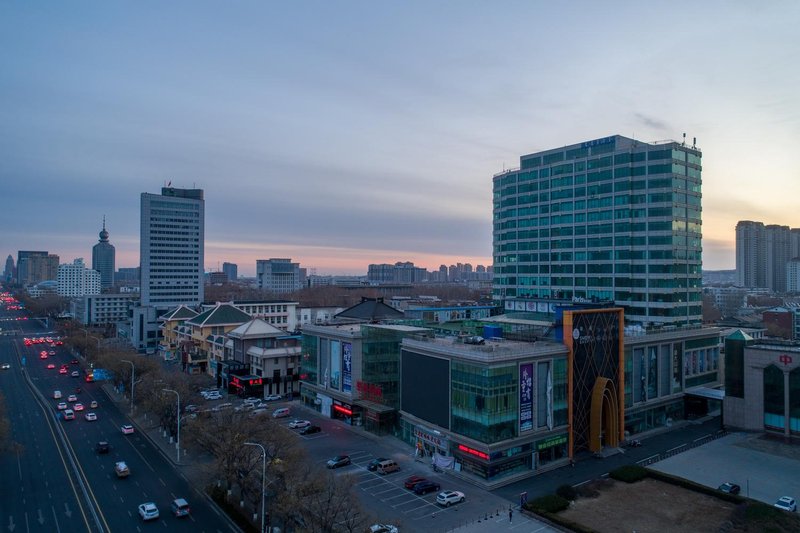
{"x":344,"y":410}
{"x":476,"y":453}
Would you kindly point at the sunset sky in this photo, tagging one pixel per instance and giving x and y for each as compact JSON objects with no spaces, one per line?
{"x":346,"y":133}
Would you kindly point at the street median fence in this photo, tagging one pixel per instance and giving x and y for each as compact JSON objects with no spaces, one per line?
{"x":682,"y":448}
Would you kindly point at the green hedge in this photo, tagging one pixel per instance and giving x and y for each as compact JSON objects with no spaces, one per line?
{"x":567,"y":492}
{"x":551,"y":503}
{"x":629,"y":473}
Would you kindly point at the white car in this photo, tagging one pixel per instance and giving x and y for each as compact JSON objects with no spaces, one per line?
{"x":61,"y":406}
{"x":148,"y":511}
{"x":297,"y":424}
{"x":72,"y":398}
{"x":127,"y":429}
{"x":449,"y":497}
{"x":273,"y":397}
{"x":91,"y":417}
{"x":786,"y":503}
{"x":251,"y":400}
{"x":383,"y":528}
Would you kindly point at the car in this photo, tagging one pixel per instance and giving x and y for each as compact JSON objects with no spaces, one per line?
{"x":74,"y":362}
{"x":339,"y":460}
{"x":424,"y":487}
{"x":61,"y":406}
{"x":273,"y":397}
{"x":410,"y":482}
{"x":190,"y":408}
{"x":91,"y":417}
{"x":127,"y":429}
{"x":148,"y":511}
{"x":93,"y":405}
{"x":72,"y":398}
{"x":75,"y":374}
{"x":62,"y":370}
{"x":51,"y":352}
{"x":786,"y":503}
{"x":69,"y":414}
{"x":121,"y":469}
{"x":449,"y":497}
{"x":180,"y":507}
{"x":5,"y":366}
{"x":383,"y":528}
{"x":730,"y":488}
{"x":310,"y":429}
{"x":252,"y":400}
{"x":78,"y":407}
{"x":43,"y":355}
{"x":51,"y":366}
{"x":373,"y":465}
{"x":257,"y":412}
{"x":222,"y":407}
{"x":56,"y":394}
{"x":299,"y":424}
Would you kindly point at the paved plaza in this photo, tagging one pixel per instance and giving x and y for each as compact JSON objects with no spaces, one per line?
{"x":766,"y":469}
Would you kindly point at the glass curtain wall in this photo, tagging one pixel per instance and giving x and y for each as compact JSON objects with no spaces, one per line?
{"x":484,"y":401}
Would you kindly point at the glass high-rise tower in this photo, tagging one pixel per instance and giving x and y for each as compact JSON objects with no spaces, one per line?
{"x":612,"y":219}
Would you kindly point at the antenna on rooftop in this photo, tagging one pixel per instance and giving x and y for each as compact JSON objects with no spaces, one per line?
{"x":684,"y":140}
{"x":694,"y":142}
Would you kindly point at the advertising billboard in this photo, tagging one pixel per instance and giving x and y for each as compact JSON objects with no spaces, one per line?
{"x":347,"y":367}
{"x":336,"y":364}
{"x":526,"y":397}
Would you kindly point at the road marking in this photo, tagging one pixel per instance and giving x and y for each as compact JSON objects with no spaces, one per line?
{"x":55,"y":519}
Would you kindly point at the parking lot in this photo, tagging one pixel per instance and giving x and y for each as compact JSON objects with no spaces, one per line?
{"x":765,"y":470}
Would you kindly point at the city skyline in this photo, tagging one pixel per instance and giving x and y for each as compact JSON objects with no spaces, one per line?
{"x":340,"y":136}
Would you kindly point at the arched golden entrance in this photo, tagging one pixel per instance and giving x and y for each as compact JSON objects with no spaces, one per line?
{"x":604,"y":423}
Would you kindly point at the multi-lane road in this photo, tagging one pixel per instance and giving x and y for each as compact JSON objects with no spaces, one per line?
{"x":56,"y":481}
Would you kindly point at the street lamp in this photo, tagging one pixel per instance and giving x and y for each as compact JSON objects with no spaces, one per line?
{"x":133,"y":373}
{"x":263,"y":479}
{"x":178,"y":417}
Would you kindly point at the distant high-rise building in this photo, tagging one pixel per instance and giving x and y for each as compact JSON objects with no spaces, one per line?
{"x":793,"y":275}
{"x":231,"y":270}
{"x":171,"y":247}
{"x":171,"y":256}
{"x":762,"y":254}
{"x":279,"y":275}
{"x":8,"y":274}
{"x":74,"y":279}
{"x":751,"y":251}
{"x":24,"y":266}
{"x":127,"y":276}
{"x":778,"y":254}
{"x":103,"y":257}
{"x":41,"y":268}
{"x":612,"y":219}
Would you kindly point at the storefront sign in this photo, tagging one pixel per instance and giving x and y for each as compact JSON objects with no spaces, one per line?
{"x":369,"y":391}
{"x":526,"y":397}
{"x":552,"y":441}
{"x":472,"y":451}
{"x":439,"y":442}
{"x":785,"y":359}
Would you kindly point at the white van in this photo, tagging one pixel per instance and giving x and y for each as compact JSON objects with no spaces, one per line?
{"x":387,"y":467}
{"x":57,"y":394}
{"x":281,"y":413}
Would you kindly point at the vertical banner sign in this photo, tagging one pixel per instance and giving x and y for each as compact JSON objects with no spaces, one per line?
{"x":347,"y":367}
{"x":336,"y":364}
{"x":526,"y":397}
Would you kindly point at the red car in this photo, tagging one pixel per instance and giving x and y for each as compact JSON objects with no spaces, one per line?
{"x":74,"y":361}
{"x":51,"y":366}
{"x":43,"y":355}
{"x":413,"y":480}
{"x":62,"y":370}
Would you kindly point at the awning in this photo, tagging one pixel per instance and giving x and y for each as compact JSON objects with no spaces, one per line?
{"x":706,"y":392}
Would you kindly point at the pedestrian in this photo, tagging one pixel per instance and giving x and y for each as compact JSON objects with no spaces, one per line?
{"x":510,"y":513}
